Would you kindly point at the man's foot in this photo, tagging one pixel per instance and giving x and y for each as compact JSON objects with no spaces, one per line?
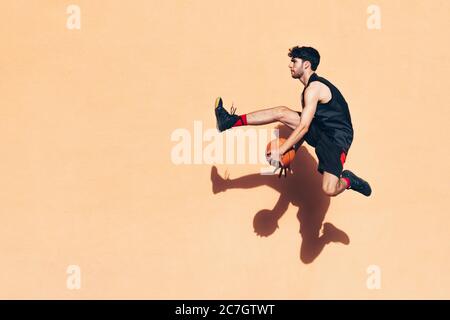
{"x":357,"y":184}
{"x":224,"y":119}
{"x":333,"y":234}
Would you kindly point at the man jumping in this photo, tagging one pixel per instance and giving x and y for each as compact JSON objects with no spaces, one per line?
{"x":324,"y":123}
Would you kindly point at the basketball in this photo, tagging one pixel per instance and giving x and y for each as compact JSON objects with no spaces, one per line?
{"x":286,"y":158}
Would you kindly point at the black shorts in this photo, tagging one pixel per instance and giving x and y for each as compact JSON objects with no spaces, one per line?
{"x":331,"y":156}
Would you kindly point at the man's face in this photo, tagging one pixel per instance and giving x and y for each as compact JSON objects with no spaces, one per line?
{"x":297,"y":68}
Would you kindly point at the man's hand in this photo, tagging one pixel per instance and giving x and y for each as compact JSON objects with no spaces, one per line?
{"x":274,"y":157}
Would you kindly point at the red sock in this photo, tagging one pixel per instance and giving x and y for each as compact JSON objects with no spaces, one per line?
{"x":242,"y":121}
{"x":348,"y":182}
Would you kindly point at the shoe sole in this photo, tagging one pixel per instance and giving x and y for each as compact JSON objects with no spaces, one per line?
{"x":217,"y":102}
{"x":216,"y":105}
{"x":369,"y":188}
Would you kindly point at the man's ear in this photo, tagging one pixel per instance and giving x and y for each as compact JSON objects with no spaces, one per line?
{"x":307,"y":64}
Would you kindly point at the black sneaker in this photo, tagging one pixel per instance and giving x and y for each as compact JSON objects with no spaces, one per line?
{"x":357,"y":183}
{"x":224,"y":119}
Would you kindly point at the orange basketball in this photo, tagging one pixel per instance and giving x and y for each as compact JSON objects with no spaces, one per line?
{"x":286,"y":158}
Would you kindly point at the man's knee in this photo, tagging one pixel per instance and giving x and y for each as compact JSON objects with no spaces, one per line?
{"x":329,"y":189}
{"x":280,"y":112}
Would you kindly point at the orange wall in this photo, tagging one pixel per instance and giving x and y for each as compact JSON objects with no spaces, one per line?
{"x":87,"y":178}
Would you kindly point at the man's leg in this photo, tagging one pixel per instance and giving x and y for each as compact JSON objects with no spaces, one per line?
{"x":331,"y":161}
{"x":333,"y":185}
{"x":283,"y":114}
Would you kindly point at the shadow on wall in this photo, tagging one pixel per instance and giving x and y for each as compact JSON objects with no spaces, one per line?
{"x":302,"y":189}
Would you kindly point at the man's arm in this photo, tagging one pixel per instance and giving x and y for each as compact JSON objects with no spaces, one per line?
{"x":311,"y":98}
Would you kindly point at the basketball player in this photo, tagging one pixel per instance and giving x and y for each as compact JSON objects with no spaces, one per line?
{"x":324,"y":123}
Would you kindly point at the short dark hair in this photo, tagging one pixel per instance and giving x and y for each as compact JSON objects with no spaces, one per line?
{"x":306,"y":54}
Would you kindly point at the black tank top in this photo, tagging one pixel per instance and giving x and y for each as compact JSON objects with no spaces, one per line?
{"x":333,"y":118}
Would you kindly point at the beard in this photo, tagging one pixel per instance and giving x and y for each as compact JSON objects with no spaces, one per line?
{"x":296,"y":75}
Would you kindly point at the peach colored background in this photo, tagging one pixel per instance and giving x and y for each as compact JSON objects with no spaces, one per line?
{"x":86,"y":176}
